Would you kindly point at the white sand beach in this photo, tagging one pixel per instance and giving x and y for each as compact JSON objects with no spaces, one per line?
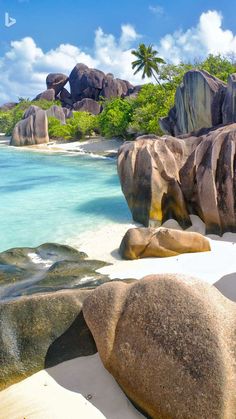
{"x":82,"y":388}
{"x":76,"y":389}
{"x":216,"y":267}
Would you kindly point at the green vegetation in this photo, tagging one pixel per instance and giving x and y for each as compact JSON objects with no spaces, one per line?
{"x":8,"y":119}
{"x":131,"y":116}
{"x":115,"y":117}
{"x":77,"y":127}
{"x":152,"y":103}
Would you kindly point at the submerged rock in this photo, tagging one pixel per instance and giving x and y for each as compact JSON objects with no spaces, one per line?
{"x":168,"y":177}
{"x":169,"y":341}
{"x":161,"y":242}
{"x":46,"y":268}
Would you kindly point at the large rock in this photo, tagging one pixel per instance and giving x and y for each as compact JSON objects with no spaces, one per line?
{"x":94,"y":84}
{"x":40,"y":331}
{"x":169,"y":177}
{"x":57,"y":112}
{"x":229,"y":105}
{"x":31,"y":110}
{"x":161,"y":242}
{"x":47,"y":95}
{"x":115,"y":87}
{"x":85,"y":82}
{"x":88,"y":105}
{"x":198,"y":104}
{"x":65,"y":98}
{"x":169,"y":341}
{"x":56,"y":81}
{"x":31,"y":130}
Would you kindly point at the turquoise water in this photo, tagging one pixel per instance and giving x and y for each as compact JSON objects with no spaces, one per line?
{"x":52,"y":197}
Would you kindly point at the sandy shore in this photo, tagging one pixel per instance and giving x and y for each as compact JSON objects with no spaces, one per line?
{"x":76,"y":389}
{"x":82,"y":388}
{"x":95,"y":146}
{"x":216,"y":267}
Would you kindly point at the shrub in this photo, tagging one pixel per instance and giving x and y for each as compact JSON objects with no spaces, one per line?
{"x":115,"y":117}
{"x":76,"y":128}
{"x":152,"y":102}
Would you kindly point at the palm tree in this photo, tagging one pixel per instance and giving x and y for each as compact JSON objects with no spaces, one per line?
{"x":147,"y":61}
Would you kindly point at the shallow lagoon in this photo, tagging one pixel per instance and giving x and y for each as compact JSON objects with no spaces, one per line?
{"x":52,"y":197}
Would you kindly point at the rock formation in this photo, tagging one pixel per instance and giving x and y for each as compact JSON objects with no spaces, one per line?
{"x":47,"y":95}
{"x":229,"y":104}
{"x":56,"y":81}
{"x":87,"y":83}
{"x":40,"y":326}
{"x":168,"y":177}
{"x":161,"y":242}
{"x":169,"y":341}
{"x":88,"y":86}
{"x":201,"y":101}
{"x":30,"y":328}
{"x":198,"y":104}
{"x":33,"y":128}
{"x":88,"y":105}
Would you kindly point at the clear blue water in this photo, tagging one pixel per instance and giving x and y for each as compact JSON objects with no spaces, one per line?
{"x":52,"y":197}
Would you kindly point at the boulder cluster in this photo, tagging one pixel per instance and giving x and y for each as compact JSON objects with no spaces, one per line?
{"x":33,"y":127}
{"x":87,"y":87}
{"x":194,"y":173}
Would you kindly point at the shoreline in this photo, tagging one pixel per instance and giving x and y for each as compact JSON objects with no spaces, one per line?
{"x":92,"y":146}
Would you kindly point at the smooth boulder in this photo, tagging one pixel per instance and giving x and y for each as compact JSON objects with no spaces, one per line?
{"x":168,"y":177}
{"x":229,"y":104}
{"x":56,"y":81}
{"x":88,"y":105}
{"x":48,"y":94}
{"x":198,"y":104}
{"x":31,"y":130}
{"x":169,"y":341}
{"x":40,"y":331}
{"x":161,"y":242}
{"x":57,"y":112}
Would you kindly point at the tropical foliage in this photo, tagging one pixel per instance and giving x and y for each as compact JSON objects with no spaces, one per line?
{"x":78,"y":127}
{"x":147,"y":61}
{"x":115,"y":117}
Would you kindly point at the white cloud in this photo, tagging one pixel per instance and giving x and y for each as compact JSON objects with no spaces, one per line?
{"x":156,"y":10}
{"x":25,"y":66}
{"x":207,"y":37}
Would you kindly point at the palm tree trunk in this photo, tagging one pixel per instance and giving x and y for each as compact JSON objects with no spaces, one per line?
{"x":158,"y":80}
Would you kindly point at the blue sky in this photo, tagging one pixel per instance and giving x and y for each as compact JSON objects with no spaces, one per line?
{"x":53,"y":35}
{"x":51,"y":22}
